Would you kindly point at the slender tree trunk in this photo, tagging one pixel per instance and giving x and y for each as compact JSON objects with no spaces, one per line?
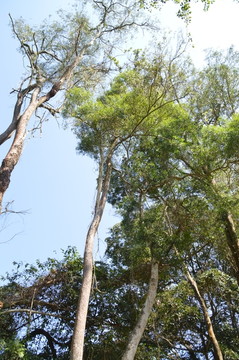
{"x":14,"y":153}
{"x":139,"y":328}
{"x":77,"y":344}
{"x":217,"y":350}
{"x":232,"y":241}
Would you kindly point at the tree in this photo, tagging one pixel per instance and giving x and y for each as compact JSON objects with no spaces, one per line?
{"x":172,"y":177}
{"x":105,"y":127}
{"x":217,"y":349}
{"x":59,"y":54}
{"x":39,"y":303}
{"x":215,"y":88}
{"x":136,"y":335}
{"x":176,"y":321}
{"x":187,"y":156}
{"x":188,"y":168}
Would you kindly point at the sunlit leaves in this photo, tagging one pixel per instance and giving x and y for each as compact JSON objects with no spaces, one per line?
{"x":184,"y":6}
{"x":137,"y":100}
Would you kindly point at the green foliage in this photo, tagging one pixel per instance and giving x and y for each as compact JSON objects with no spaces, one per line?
{"x":175,"y":172}
{"x":46,"y":53}
{"x":184,"y":11}
{"x":215,"y":95}
{"x":52,"y":287}
{"x":170,"y":192}
{"x":12,"y":349}
{"x":56,"y":285}
{"x":83,"y":38}
{"x":132,"y":105}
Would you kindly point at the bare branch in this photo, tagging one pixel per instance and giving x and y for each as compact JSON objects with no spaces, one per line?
{"x":51,"y":110}
{"x":9,"y":311}
{"x":52,"y":55}
{"x":7,"y":210}
{"x":5,"y":242}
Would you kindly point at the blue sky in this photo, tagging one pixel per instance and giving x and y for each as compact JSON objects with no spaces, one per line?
{"x":51,"y":181}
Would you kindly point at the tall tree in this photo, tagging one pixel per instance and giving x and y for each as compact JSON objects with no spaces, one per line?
{"x":106,"y":127}
{"x":189,"y":167}
{"x":59,"y":54}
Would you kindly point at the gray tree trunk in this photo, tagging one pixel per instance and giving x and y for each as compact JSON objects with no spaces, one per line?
{"x":217,"y":350}
{"x":77,"y":344}
{"x":139,"y":328}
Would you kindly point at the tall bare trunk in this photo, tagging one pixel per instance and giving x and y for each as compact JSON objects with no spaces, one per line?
{"x":217,"y":350}
{"x":77,"y":345}
{"x":139,"y":328}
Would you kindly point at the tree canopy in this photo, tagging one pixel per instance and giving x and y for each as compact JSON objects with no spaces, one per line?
{"x":173,"y":181}
{"x":164,"y":137}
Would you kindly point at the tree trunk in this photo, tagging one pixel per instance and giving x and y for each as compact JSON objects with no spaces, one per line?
{"x":232,"y":241}
{"x":217,"y":351}
{"x":139,"y":328}
{"x":77,"y":344}
{"x":19,"y":122}
{"x":15,"y":150}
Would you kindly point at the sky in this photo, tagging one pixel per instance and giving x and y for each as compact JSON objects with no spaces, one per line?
{"x":52,"y":183}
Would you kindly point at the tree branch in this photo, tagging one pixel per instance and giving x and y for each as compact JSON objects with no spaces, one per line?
{"x":9,"y":311}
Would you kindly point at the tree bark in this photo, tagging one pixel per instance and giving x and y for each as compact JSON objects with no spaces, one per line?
{"x":77,"y":344}
{"x":14,"y":153}
{"x":217,"y":350}
{"x":19,"y":122}
{"x":139,"y":328}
